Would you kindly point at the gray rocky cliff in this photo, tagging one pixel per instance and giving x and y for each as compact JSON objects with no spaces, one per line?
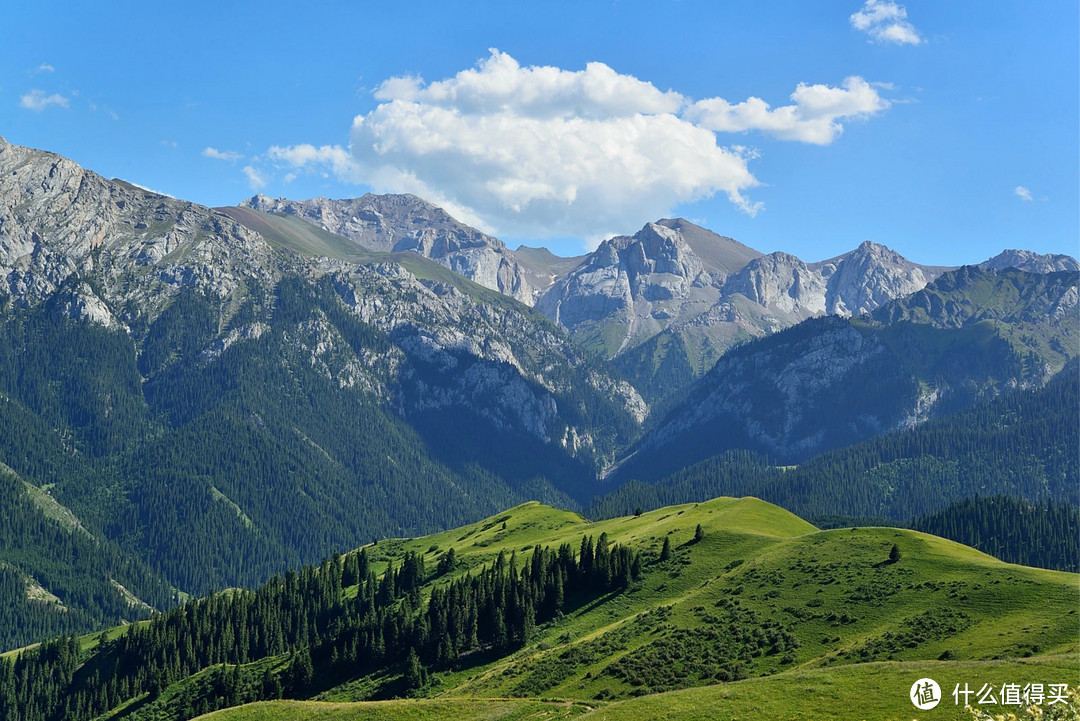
{"x":634,"y":285}
{"x":59,"y":223}
{"x":868,"y":277}
{"x":851,"y":284}
{"x":1031,"y":262}
{"x":400,"y":223}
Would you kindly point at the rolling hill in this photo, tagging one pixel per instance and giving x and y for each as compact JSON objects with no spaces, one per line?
{"x":735,"y":601}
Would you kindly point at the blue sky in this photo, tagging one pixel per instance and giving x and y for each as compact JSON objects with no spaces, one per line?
{"x":947,"y":131}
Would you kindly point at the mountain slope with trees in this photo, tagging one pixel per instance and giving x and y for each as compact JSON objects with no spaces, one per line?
{"x":1021,"y":445}
{"x":830,"y":382}
{"x":535,"y":602}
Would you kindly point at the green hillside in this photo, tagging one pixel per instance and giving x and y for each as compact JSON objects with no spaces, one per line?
{"x":1020,"y":444}
{"x":868,"y":691}
{"x":733,"y":600}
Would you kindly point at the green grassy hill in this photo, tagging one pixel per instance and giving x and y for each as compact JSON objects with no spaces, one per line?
{"x":757,"y":615}
{"x":875,"y":691}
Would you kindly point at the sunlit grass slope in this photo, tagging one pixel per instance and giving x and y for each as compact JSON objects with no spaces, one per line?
{"x":797,"y":597}
{"x":762,"y":616}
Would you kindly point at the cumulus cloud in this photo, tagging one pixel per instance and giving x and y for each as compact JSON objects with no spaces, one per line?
{"x":500,"y":83}
{"x":37,"y":100}
{"x":230,"y":155}
{"x":814,"y":118}
{"x":306,"y":156}
{"x":543,"y":151}
{"x":1023,"y":193}
{"x":44,"y":68}
{"x":885,"y":22}
{"x":255,"y":178}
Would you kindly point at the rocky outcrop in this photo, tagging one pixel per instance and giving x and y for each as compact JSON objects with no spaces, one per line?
{"x":868,"y":277}
{"x":1031,"y":262}
{"x":401,"y":223}
{"x":632,"y":287}
{"x":60,"y":223}
{"x":851,"y":284}
{"x":782,"y":284}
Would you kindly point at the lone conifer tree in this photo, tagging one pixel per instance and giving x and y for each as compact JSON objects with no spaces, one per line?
{"x":894,"y":554}
{"x":665,"y":552}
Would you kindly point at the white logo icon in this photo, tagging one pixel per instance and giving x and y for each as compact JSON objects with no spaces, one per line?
{"x":925,"y":694}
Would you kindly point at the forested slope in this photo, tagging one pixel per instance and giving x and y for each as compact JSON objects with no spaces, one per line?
{"x":1021,"y":445}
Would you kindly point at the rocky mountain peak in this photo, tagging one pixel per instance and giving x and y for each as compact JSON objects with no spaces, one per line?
{"x":639,"y":283}
{"x":867,"y":277}
{"x":396,"y":223}
{"x":720,"y":254}
{"x":1031,"y":262}
{"x":60,"y":222}
{"x":780,"y":282}
{"x":656,"y":249}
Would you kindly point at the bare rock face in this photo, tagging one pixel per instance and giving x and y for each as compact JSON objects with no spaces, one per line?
{"x":781,"y":283}
{"x":869,"y":276}
{"x":852,"y":284}
{"x":1031,"y":262}
{"x":60,"y":222}
{"x":400,"y":223}
{"x":635,"y":285}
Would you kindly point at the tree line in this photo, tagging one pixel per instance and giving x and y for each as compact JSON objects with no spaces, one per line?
{"x":327,"y":637}
{"x":1021,"y":445}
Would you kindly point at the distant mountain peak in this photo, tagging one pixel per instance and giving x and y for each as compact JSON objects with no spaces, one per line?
{"x":395,"y":223}
{"x":1031,"y":261}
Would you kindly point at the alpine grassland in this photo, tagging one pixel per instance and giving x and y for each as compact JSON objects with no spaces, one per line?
{"x":730,"y":608}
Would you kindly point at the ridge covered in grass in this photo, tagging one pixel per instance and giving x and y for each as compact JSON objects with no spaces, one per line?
{"x":737,"y":602}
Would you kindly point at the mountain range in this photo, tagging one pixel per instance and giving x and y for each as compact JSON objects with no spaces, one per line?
{"x":663,"y":304}
{"x":215,"y":395}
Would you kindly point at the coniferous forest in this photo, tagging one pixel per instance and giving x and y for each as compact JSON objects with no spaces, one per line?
{"x":329,"y":637}
{"x":1019,"y":448}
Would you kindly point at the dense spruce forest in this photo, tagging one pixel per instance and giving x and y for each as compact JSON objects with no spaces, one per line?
{"x":1021,"y":444}
{"x":329,"y":636}
{"x":56,"y":578}
{"x":1012,"y":530}
{"x":164,"y":466}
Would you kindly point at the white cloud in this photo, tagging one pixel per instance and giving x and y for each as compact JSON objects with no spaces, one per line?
{"x":37,"y":100}
{"x":230,"y":155}
{"x":44,"y":68}
{"x":308,"y":157}
{"x":255,"y":178}
{"x":547,"y":152}
{"x":814,"y":118}
{"x":1023,"y":193}
{"x":499,"y":82}
{"x":885,"y":22}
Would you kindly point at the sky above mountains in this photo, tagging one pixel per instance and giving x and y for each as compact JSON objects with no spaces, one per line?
{"x":947,"y":131}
